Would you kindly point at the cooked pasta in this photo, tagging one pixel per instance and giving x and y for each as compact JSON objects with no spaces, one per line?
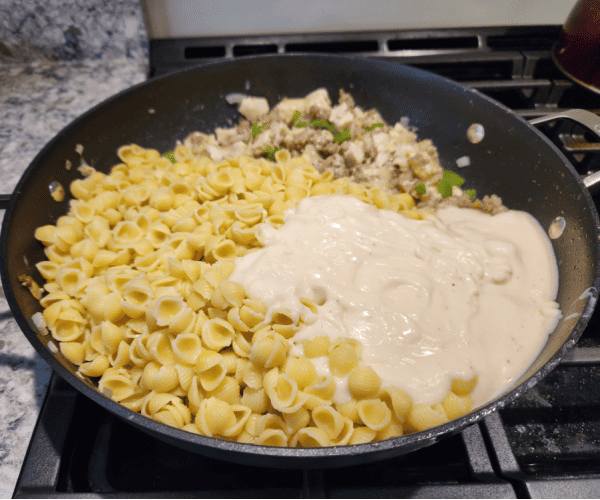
{"x":139,"y":296}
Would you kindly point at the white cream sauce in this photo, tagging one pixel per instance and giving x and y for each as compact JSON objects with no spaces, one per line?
{"x":463,"y":293}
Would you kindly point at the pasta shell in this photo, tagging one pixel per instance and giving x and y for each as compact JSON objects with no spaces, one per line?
{"x":166,"y":379}
{"x":230,"y":361}
{"x":127,"y":233}
{"x":313,"y":401}
{"x":228,"y":390}
{"x":463,"y":387}
{"x":242,"y":413}
{"x":185,"y":374}
{"x":66,"y":331}
{"x":217,"y":334}
{"x":297,"y":420}
{"x":310,"y":437}
{"x":167,"y":308}
{"x":211,"y":370}
{"x":374,"y":413}
{"x":255,"y":399}
{"x":120,"y":357}
{"x":280,"y":388}
{"x":214,"y":417}
{"x":147,"y":382}
{"x":391,"y":430}
{"x":328,"y":420}
{"x":272,"y":437}
{"x":73,"y":351}
{"x":117,"y":381}
{"x":233,"y":293}
{"x":317,"y":346}
{"x":423,"y":416}
{"x":398,"y":401}
{"x":362,"y":435}
{"x":159,"y":347}
{"x":96,"y":367}
{"x":363,"y":382}
{"x":324,"y":389}
{"x":302,"y":370}
{"x":269,"y":350}
{"x":345,"y":434}
{"x":342,"y":358}
{"x":195,"y":395}
{"x":186,"y":348}
{"x":456,"y":406}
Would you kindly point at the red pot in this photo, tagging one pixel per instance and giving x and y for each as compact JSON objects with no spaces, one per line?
{"x":577,"y":53}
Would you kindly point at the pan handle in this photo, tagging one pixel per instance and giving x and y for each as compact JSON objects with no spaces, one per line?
{"x":586,"y":119}
{"x":4,"y":199}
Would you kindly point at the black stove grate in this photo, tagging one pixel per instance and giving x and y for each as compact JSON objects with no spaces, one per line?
{"x":545,"y":444}
{"x":511,"y":64}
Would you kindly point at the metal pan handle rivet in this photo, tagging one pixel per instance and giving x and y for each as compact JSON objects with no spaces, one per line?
{"x":557,"y":228}
{"x":475,"y":133}
{"x":57,"y":191}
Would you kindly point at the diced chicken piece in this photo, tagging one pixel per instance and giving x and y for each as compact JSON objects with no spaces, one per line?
{"x":264,"y":139}
{"x":336,"y":164}
{"x":378,"y":175}
{"x":254,"y":108}
{"x":279,"y":130}
{"x":422,"y":166}
{"x":493,"y":204}
{"x":356,"y":129}
{"x":371,"y":117}
{"x":369,"y":146}
{"x":401,"y":162}
{"x":287,"y":107}
{"x":382,"y":159}
{"x":216,"y":153}
{"x":237,"y":148}
{"x":341,"y":116}
{"x":456,"y":191}
{"x":318,"y":104}
{"x":311,"y":155}
{"x":404,"y":135}
{"x":354,"y":154}
{"x":381,"y":140}
{"x":384,"y":177}
{"x":196,"y":142}
{"x":225,"y":135}
{"x":330,"y":149}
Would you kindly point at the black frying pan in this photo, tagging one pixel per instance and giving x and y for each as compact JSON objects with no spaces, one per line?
{"x":514,"y":161}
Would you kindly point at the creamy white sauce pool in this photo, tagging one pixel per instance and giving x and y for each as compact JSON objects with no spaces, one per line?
{"x":461,"y":294}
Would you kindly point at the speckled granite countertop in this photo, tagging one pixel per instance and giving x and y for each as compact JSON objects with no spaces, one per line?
{"x":36,"y":101}
{"x":58,"y":58}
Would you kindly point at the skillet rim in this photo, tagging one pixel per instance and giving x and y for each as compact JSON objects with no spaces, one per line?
{"x":294,"y":457}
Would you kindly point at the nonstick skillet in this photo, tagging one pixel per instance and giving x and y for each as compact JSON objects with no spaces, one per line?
{"x":513,"y":160}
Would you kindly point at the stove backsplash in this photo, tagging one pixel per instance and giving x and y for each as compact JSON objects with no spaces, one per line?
{"x":185,"y":18}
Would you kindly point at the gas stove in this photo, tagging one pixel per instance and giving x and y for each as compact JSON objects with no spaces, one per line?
{"x":544,"y":444}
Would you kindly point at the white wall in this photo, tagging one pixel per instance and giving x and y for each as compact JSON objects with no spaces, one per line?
{"x":183,"y":18}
